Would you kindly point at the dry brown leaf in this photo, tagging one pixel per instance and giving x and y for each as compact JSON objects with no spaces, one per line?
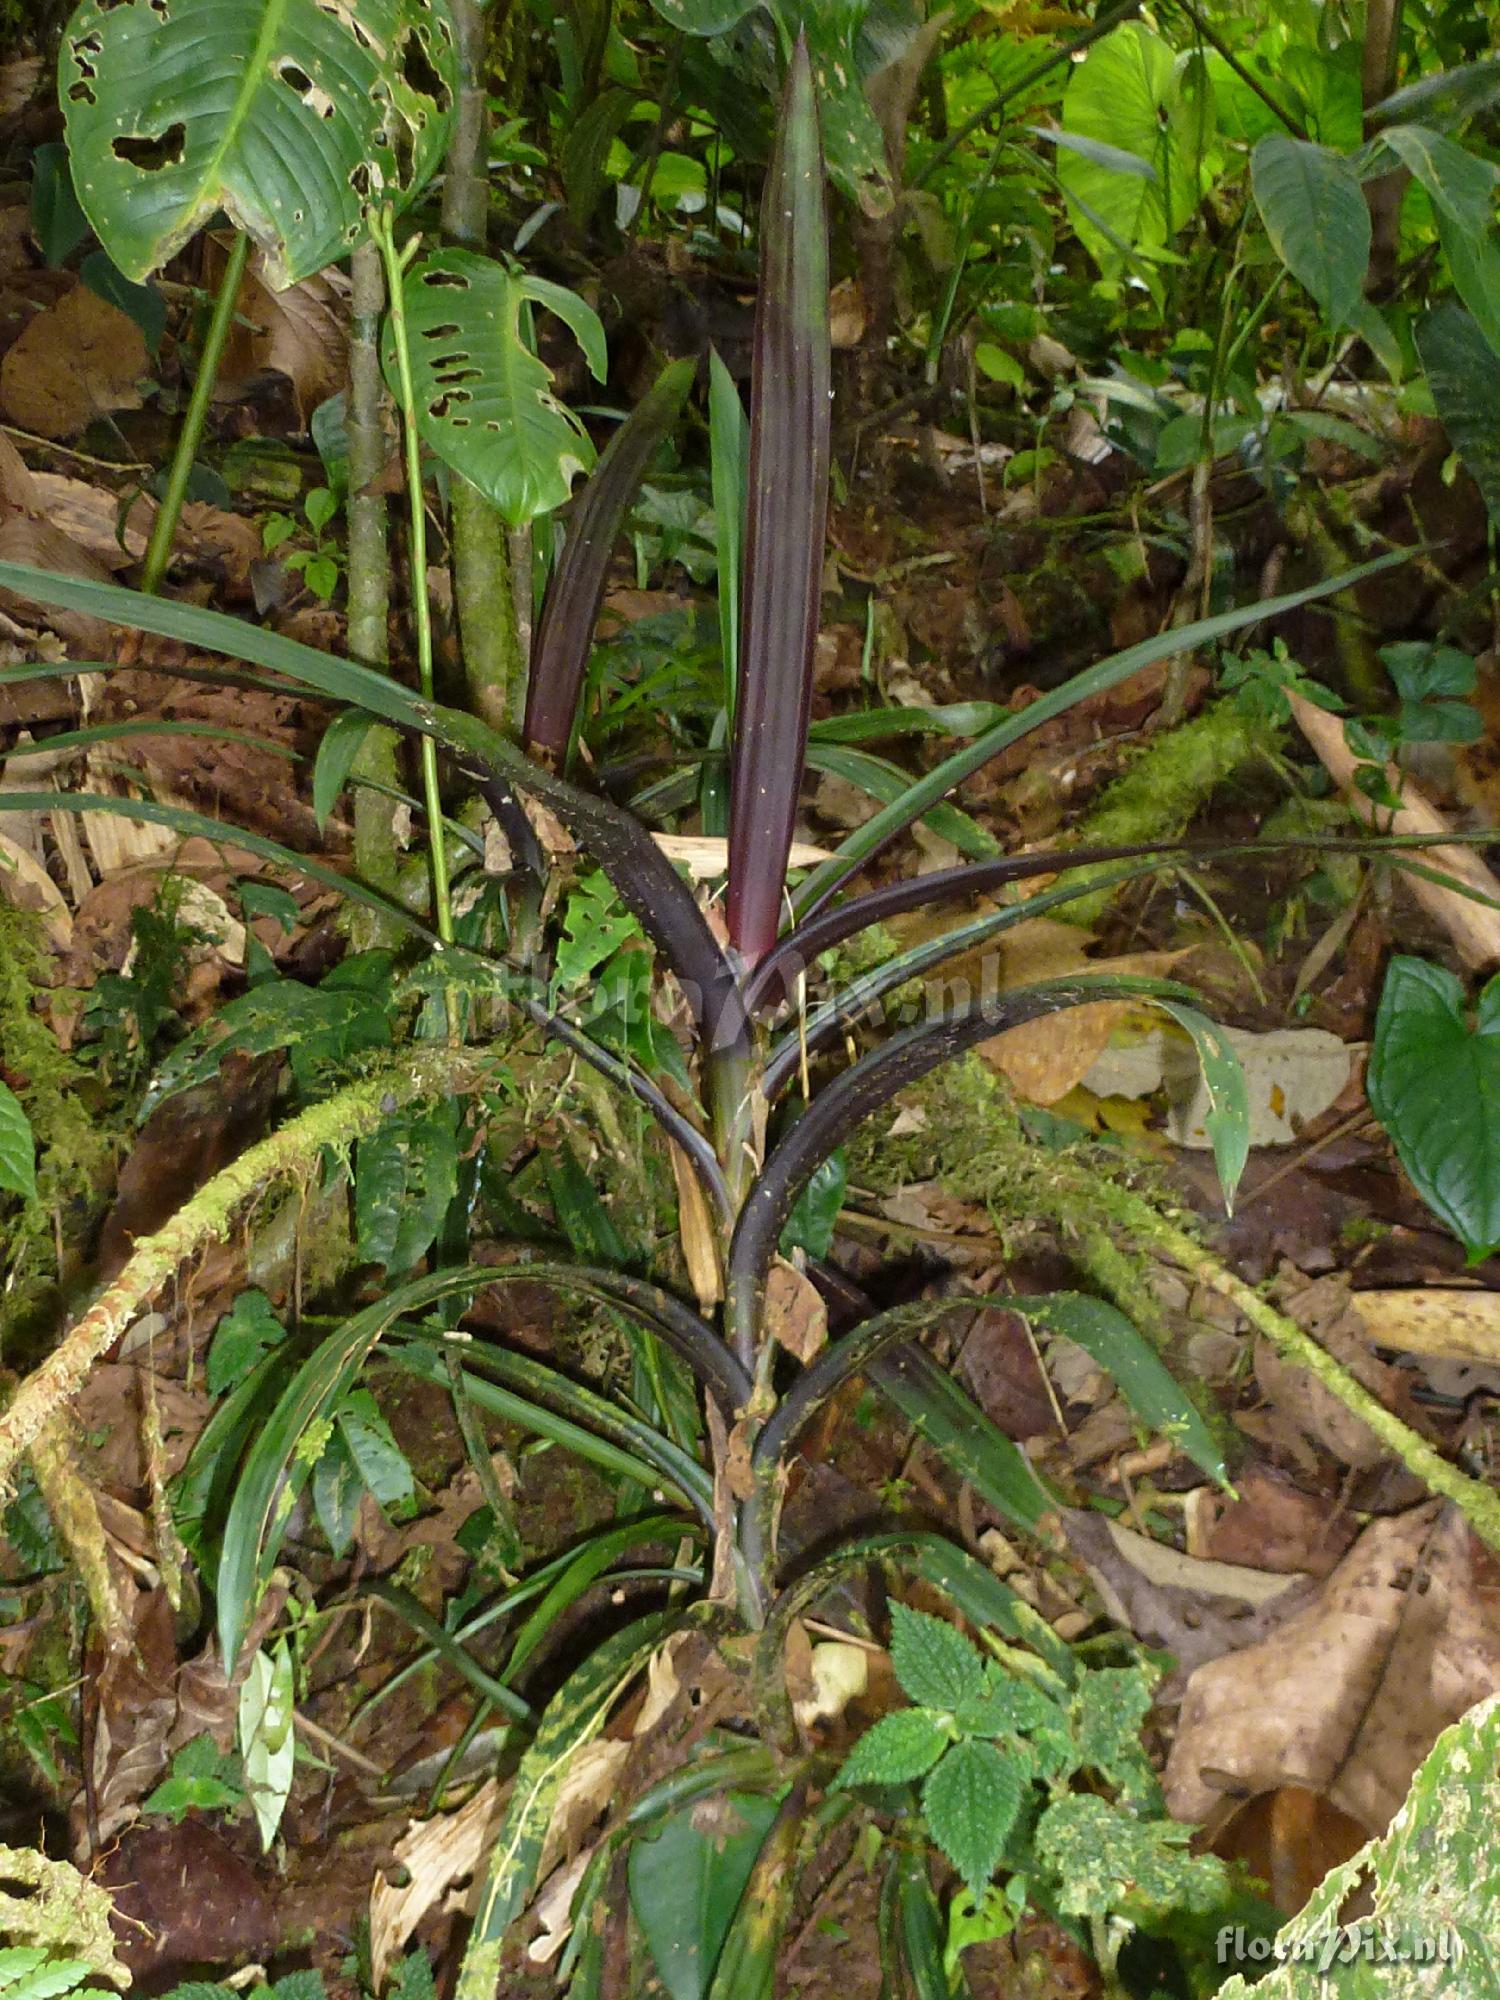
{"x":1350,"y":1694}
{"x":78,"y":359}
{"x":302,"y":333}
{"x":695,"y":1228}
{"x":1324,"y":1307}
{"x":795,"y":1312}
{"x":26,"y":538}
{"x":432,"y":1855}
{"x":1043,"y":1060}
{"x":847,"y":313}
{"x":26,"y":885}
{"x":1448,"y":1322}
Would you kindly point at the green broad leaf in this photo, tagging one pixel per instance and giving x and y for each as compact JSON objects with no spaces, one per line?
{"x":959,"y":1431}
{"x":1109,"y":1706}
{"x":935,"y":1664}
{"x":1130,"y":95}
{"x":970,"y":1802}
{"x":405,"y":1176}
{"x":1465,"y":384}
{"x":17,"y":1147}
{"x":337,"y":1490}
{"x":289,"y":115}
{"x":1103,"y":1858}
{"x":267,"y":1742}
{"x":1314,"y":210}
{"x":595,"y":923}
{"x":1143,"y":1379}
{"x":1227,"y":1121}
{"x":244,"y":1336}
{"x":382,"y":1464}
{"x":686,"y":1883}
{"x":341,"y":744}
{"x":896,"y":1749}
{"x":485,"y":401}
{"x":1434,"y":1084}
{"x":1432,"y":1883}
{"x":1461,"y":188}
{"x":201,"y":1779}
{"x":810,"y":1225}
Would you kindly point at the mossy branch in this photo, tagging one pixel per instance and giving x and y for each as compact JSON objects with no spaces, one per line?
{"x":1479,"y":1505}
{"x":290,"y":1154}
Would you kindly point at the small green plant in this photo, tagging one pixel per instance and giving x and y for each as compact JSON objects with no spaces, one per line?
{"x":202,"y":1778}
{"x":1001,"y":1745}
{"x":317,"y":558}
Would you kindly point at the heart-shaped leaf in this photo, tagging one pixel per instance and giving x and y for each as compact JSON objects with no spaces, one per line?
{"x":1434,"y":1084}
{"x":290,"y":115}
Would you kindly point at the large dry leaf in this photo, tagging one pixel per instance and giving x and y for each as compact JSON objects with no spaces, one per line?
{"x":1350,"y":1694}
{"x":1292,"y":1075}
{"x":75,"y":361}
{"x":1447,"y":1322}
{"x":302,"y":333}
{"x":430,"y":1857}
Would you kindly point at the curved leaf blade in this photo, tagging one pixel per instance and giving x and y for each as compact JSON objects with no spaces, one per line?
{"x":1314,"y":210}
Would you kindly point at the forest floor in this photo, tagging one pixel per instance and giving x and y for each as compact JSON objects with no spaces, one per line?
{"x":1323,"y":1620}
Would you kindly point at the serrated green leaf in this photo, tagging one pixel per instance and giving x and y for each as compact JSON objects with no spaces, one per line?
{"x":288,"y":115}
{"x":970,"y":1802}
{"x":1103,"y":1857}
{"x":896,"y":1749}
{"x":1434,"y":1084}
{"x":935,"y":1664}
{"x":1009,"y":1706}
{"x":17,"y":1148}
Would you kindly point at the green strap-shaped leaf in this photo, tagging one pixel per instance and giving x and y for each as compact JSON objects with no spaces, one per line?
{"x":17,"y":1147}
{"x":1108,"y":1337}
{"x":1314,"y":210}
{"x":1227,"y":1121}
{"x":485,"y":402}
{"x":290,"y":115}
{"x":573,"y":1717}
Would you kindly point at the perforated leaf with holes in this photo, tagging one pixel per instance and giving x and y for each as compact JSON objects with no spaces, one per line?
{"x":289,"y":115}
{"x":485,"y":402}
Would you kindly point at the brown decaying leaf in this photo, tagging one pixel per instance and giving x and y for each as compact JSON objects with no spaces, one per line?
{"x":302,"y":333}
{"x":76,"y":360}
{"x":1350,"y":1694}
{"x":795,"y":1312}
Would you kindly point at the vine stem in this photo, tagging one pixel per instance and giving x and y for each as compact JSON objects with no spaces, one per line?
{"x":1475,"y":1501}
{"x":382,"y":234}
{"x":169,"y":513}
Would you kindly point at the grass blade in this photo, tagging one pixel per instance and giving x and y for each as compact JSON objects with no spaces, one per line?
{"x":788,"y":507}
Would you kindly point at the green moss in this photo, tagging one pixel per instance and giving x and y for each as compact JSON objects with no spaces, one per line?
{"x":1166,"y":786}
{"x":76,"y":1137}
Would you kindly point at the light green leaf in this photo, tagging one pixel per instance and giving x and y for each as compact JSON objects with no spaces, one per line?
{"x":1434,"y":1084}
{"x":1314,"y":210}
{"x":934,"y":1662}
{"x":970,"y":1801}
{"x":246,"y":1333}
{"x":17,"y":1147}
{"x":1461,"y":188}
{"x":895,"y":1749}
{"x":485,"y":402}
{"x":405,"y":1175}
{"x":266,"y":1739}
{"x":1128,"y":96}
{"x":1433,"y":1880}
{"x":1103,"y":1857}
{"x":288,"y":115}
{"x":1227,"y":1120}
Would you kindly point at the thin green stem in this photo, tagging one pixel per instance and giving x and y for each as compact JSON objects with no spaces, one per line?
{"x":382,"y":232}
{"x":169,"y":513}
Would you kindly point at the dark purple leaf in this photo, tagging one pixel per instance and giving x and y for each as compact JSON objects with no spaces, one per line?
{"x":787,"y":512}
{"x":565,"y":630}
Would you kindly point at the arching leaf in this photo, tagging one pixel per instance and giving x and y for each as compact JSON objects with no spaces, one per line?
{"x":1315,"y":215}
